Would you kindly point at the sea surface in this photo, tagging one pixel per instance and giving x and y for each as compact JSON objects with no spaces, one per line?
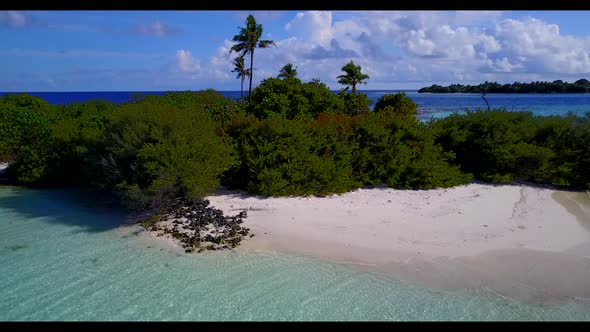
{"x":429,"y":104}
{"x":65,"y":257}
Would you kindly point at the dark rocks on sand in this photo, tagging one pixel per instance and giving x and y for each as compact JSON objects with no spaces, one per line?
{"x":205,"y":227}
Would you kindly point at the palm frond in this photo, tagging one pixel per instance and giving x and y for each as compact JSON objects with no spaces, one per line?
{"x":266,"y":43}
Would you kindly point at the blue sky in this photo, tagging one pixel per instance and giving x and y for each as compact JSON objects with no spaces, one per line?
{"x":180,"y":50}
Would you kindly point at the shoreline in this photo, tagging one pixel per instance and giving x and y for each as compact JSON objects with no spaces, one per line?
{"x":529,"y":243}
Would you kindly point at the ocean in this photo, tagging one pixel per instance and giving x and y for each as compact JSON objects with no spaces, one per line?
{"x":429,"y":104}
{"x":64,"y":257}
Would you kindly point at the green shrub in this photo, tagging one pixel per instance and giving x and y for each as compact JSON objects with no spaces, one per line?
{"x":154,"y":153}
{"x":398,"y":103}
{"x":217,"y":107}
{"x":502,"y":146}
{"x":401,"y":153}
{"x":569,"y":140}
{"x":292,"y":99}
{"x":291,"y":157}
{"x":25,"y":140}
{"x":24,"y":100}
{"x":354,"y":103}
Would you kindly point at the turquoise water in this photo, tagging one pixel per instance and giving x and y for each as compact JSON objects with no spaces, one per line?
{"x":61,"y":258}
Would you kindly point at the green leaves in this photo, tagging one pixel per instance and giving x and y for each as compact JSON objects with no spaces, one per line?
{"x":247,"y":41}
{"x":352,"y":76}
{"x":288,"y":72}
{"x":293,"y":99}
{"x":163,"y":151}
{"x":337,"y":153}
{"x":398,"y":103}
{"x":502,"y":146}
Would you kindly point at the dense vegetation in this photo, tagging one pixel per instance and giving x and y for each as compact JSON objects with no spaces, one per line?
{"x":502,"y":146}
{"x":186,"y":144}
{"x":579,"y":86}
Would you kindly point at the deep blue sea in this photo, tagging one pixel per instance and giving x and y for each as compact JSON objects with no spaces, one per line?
{"x":429,"y":104}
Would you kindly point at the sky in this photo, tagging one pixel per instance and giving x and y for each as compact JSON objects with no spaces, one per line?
{"x":190,"y":50}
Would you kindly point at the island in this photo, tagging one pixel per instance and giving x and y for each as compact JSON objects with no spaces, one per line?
{"x":559,"y":86}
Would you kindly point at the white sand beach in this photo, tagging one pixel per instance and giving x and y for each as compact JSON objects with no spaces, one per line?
{"x":525,"y":242}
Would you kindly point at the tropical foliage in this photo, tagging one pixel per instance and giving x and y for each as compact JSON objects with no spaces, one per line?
{"x":398,"y":103}
{"x":352,"y":76}
{"x":293,"y":99}
{"x":247,"y":40}
{"x":242,"y":72}
{"x":288,"y":72}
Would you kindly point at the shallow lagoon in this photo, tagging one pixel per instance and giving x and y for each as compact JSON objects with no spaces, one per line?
{"x":63,"y":258}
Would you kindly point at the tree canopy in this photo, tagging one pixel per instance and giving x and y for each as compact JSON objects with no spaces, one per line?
{"x":288,"y":72}
{"x":352,"y":76}
{"x":248,"y":39}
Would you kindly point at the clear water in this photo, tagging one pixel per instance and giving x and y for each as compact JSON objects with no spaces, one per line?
{"x":62,"y":258}
{"x":429,"y":104}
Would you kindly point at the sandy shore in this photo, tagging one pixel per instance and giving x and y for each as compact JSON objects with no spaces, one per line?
{"x":524,"y":242}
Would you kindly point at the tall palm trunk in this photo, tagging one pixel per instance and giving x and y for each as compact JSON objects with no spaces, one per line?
{"x":354,"y":89}
{"x":242,"y":90}
{"x":251,"y":73}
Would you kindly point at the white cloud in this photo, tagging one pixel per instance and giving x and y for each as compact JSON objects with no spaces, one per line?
{"x":543,"y":47}
{"x":186,"y":63}
{"x":156,"y":28}
{"x":418,"y":48}
{"x":313,"y":26}
{"x":503,"y":65}
{"x":16,"y":19}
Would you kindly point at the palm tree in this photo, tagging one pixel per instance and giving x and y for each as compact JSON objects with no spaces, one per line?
{"x":242,"y":71}
{"x":247,"y":41}
{"x":353,"y":76}
{"x":288,"y":72}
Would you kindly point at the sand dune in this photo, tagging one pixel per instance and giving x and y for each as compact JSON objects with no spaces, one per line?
{"x":527,"y":242}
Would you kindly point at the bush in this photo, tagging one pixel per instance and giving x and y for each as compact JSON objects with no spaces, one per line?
{"x":56,"y":153}
{"x":401,"y":153}
{"x":280,"y":157}
{"x":155,"y":153}
{"x":569,"y":140}
{"x":217,"y":108}
{"x":24,"y":140}
{"x":337,"y":153}
{"x":398,"y":103}
{"x":292,"y":99}
{"x":502,"y":146}
{"x":354,"y":103}
{"x":24,"y":100}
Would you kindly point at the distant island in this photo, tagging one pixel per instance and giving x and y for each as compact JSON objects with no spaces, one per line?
{"x":579,"y":86}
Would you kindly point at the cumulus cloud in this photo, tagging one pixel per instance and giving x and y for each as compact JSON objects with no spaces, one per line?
{"x":334,"y":51}
{"x":412,"y":47}
{"x":313,"y":26}
{"x":186,"y":63}
{"x":503,"y":65}
{"x":543,"y":47}
{"x":157,"y":29}
{"x":15,"y":19}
